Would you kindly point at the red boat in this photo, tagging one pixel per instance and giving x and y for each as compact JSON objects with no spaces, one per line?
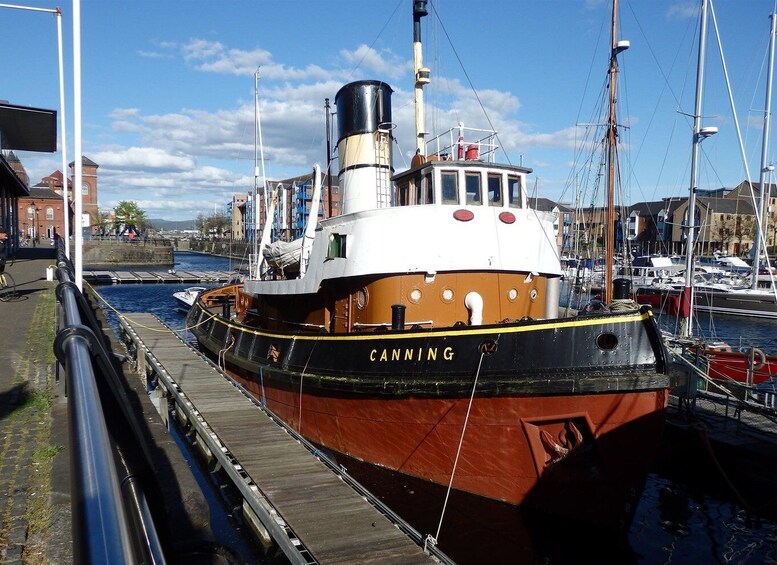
{"x":751,"y":367}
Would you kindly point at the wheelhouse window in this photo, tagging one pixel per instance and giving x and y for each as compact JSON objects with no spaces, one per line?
{"x":428,"y":191}
{"x":494,"y":190}
{"x":401,"y":197}
{"x":514,"y":191}
{"x":472,"y":185}
{"x":417,"y":188}
{"x":450,"y":187}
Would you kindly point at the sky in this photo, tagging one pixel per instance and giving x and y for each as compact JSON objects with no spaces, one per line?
{"x":168,"y":89}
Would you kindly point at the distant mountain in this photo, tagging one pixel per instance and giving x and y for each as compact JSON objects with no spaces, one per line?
{"x":172,"y":225}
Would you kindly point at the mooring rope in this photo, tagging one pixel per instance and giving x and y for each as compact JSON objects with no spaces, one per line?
{"x":429,"y":538}
{"x":110,"y":306}
{"x":222,"y":357}
{"x":261,"y":384}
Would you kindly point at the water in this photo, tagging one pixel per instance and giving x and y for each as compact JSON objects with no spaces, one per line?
{"x":691,"y":509}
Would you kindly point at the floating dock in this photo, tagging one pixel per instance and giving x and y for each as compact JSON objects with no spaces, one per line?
{"x":314,"y":512}
{"x":155,"y":277}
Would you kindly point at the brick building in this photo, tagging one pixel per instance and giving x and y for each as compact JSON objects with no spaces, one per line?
{"x":41,"y":212}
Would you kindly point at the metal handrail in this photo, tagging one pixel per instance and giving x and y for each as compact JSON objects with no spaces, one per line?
{"x":107,"y":526}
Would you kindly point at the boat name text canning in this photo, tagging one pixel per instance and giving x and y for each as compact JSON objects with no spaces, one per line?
{"x":412,"y":354}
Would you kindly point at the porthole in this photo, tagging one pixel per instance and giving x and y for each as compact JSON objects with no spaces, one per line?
{"x":447,"y":295}
{"x":362,"y":297}
{"x":512,"y":294}
{"x":533,"y":294}
{"x":415,"y":295}
{"x":607,"y":341}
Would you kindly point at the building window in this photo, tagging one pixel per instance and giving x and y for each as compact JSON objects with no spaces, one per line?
{"x":49,"y":213}
{"x":85,"y":188}
{"x":31,"y":213}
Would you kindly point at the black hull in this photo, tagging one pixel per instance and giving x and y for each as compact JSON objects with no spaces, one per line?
{"x":610,"y":353}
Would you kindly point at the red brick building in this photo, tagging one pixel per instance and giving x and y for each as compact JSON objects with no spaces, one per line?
{"x":42,"y":211}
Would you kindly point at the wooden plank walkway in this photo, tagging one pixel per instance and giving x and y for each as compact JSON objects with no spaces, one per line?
{"x":333,"y":522}
{"x":153,"y":277}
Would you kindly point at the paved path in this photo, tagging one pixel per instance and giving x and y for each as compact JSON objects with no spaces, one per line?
{"x":34,"y":470}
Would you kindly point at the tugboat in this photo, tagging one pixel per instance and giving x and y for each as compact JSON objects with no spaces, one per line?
{"x":421,"y":332}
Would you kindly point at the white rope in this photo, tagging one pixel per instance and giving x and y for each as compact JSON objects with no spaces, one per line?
{"x":222,"y":356}
{"x":429,"y":538}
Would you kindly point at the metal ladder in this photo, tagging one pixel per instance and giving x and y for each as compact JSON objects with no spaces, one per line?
{"x":382,"y":168}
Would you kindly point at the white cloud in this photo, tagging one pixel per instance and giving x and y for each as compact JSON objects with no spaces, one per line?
{"x":683,"y":10}
{"x":385,"y":63}
{"x":133,"y":158}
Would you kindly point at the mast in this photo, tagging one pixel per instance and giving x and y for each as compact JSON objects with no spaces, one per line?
{"x":686,"y":300}
{"x":328,"y":154}
{"x":421,"y":74}
{"x":616,"y":47}
{"x":760,"y":225}
{"x":255,"y":222}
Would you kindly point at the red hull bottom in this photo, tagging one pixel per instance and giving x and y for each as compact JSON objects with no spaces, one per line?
{"x":558,"y":453}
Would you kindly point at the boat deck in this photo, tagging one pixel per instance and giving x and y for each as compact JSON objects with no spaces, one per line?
{"x":311,"y":511}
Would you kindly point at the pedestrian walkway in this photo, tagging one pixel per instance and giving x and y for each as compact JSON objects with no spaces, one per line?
{"x":34,"y":479}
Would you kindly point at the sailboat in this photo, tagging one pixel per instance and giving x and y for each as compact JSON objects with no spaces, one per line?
{"x":422,"y":332}
{"x":760,"y":299}
{"x":718,"y":360}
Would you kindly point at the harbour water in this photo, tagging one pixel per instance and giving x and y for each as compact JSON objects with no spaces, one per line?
{"x":690,"y":511}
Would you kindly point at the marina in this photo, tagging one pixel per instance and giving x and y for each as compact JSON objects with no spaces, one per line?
{"x":691,"y":507}
{"x":400,"y":355}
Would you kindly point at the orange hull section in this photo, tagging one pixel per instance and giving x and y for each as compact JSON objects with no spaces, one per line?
{"x":510,"y":443}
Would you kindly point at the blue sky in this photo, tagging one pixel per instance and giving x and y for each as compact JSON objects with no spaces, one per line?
{"x":168,"y":88}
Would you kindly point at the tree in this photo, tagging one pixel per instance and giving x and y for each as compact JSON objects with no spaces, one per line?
{"x":200,"y":223}
{"x":745,"y":230}
{"x":103,"y":221}
{"x":214,"y":225}
{"x":130,"y":216}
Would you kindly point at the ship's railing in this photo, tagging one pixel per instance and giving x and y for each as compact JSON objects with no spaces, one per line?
{"x":464,"y":143}
{"x":112,"y":520}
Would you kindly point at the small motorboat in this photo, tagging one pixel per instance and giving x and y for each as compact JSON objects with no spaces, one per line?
{"x":187,"y":296}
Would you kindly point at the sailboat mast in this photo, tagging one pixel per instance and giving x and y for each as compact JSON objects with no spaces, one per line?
{"x":762,"y":192}
{"x":611,"y":156}
{"x":686,"y":328}
{"x":421,"y":76}
{"x":255,"y":235}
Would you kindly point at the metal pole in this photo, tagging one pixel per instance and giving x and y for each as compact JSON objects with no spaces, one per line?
{"x":762,"y":192}
{"x":79,"y":232}
{"x":419,"y":11}
{"x":609,"y":250}
{"x":687,"y":298}
{"x":63,"y":135}
{"x":328,"y":155}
